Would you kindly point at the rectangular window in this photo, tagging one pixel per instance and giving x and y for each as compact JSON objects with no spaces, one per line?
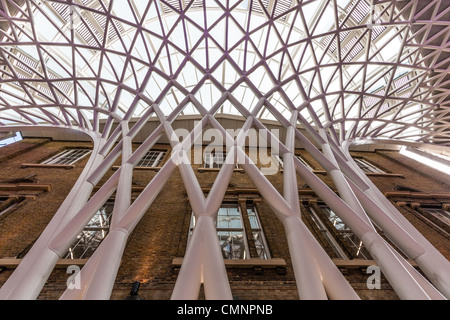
{"x":68,"y":157}
{"x":340,"y":253}
{"x":367,"y":167}
{"x":92,"y":235}
{"x":230,"y":230}
{"x":441,"y":214}
{"x":214,"y":160}
{"x":152,"y":158}
{"x":257,"y":233}
{"x":353,"y":242}
{"x":233,"y":235}
{"x":280,"y":161}
{"x":305,"y":163}
{"x":10,"y":138}
{"x":3,"y":203}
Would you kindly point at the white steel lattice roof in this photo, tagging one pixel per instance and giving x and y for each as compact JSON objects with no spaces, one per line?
{"x":362,"y":70}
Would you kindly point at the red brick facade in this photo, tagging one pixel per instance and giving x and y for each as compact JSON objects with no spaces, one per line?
{"x":161,"y":235}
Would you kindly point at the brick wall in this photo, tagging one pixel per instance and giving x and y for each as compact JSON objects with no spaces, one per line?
{"x":162,"y":233}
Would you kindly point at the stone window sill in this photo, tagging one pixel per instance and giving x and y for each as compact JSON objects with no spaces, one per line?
{"x":12,"y":263}
{"x":141,"y":168}
{"x":50,"y":166}
{"x":202,"y":169}
{"x":243,"y":263}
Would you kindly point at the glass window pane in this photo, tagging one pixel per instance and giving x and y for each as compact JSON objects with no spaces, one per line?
{"x":335,"y":220}
{"x":253,"y":218}
{"x":232,"y":244}
{"x":228,"y":222}
{"x":356,"y":246}
{"x":151,"y":159}
{"x":233,"y":211}
{"x":441,"y":214}
{"x":328,"y":236}
{"x":93,"y":234}
{"x":259,"y":243}
{"x":68,"y":157}
{"x":214,"y":159}
{"x":367,"y":166}
{"x":232,"y":234}
{"x":253,"y":222}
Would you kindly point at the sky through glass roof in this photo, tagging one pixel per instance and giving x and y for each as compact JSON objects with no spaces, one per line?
{"x":352,"y":66}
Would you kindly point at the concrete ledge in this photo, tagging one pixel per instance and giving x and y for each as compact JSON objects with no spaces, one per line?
{"x":360,"y":263}
{"x":141,"y":168}
{"x":387,"y":175}
{"x":216,"y":169}
{"x":12,"y":263}
{"x":243,"y":263}
{"x":278,"y":262}
{"x":415,"y":195}
{"x":52,"y":166}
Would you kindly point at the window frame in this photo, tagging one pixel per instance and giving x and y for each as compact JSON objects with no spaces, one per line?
{"x":423,"y":211}
{"x":259,"y":229}
{"x":439,"y":215}
{"x":341,"y":241}
{"x":8,"y":207}
{"x":156,"y":162}
{"x":105,"y":230}
{"x":211,"y":163}
{"x":54,"y":160}
{"x":299,"y":157}
{"x":335,"y":245}
{"x":368,"y":167}
{"x":346,"y":232}
{"x":242,"y":229}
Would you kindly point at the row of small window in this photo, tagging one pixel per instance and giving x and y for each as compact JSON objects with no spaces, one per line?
{"x":71,"y":156}
{"x":212,"y":160}
{"x":235,"y":240}
{"x":232,"y":234}
{"x":217,"y":159}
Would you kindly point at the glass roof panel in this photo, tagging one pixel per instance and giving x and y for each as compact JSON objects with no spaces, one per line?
{"x":312,"y":51}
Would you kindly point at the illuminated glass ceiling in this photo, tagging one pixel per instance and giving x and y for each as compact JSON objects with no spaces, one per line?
{"x":360,"y":70}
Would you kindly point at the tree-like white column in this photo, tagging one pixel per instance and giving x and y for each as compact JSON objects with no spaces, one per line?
{"x":328,"y":73}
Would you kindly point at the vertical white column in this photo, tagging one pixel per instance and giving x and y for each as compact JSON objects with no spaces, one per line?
{"x":307,"y":275}
{"x":215,"y":277}
{"x":30,"y":276}
{"x":434,"y":265}
{"x":393,"y":269}
{"x":98,"y":275}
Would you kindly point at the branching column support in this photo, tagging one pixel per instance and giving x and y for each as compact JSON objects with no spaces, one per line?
{"x":307,"y":273}
{"x":203,"y":261}
{"x":30,"y":276}
{"x":385,"y":255}
{"x":316,"y":275}
{"x":98,"y":275}
{"x":435,"y":266}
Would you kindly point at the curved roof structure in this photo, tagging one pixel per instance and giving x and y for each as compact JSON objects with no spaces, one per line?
{"x":347,"y":71}
{"x":362,"y":70}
